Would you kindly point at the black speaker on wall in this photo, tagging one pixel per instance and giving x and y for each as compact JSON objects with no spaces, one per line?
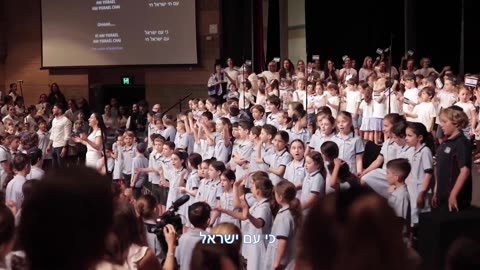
{"x":438,"y":230}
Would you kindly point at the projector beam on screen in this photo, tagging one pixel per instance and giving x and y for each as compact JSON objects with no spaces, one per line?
{"x":118,"y":33}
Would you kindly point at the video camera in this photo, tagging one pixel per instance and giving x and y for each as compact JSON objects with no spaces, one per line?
{"x":169,"y":217}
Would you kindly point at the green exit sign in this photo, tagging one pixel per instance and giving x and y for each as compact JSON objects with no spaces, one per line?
{"x":127,"y":80}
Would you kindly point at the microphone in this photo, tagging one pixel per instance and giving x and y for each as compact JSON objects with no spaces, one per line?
{"x":180,"y":201}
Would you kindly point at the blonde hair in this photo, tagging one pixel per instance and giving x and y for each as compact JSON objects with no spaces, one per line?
{"x":227,"y":228}
{"x":458,"y":118}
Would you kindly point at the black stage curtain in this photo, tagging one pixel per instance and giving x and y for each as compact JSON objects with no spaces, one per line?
{"x":237,"y":35}
{"x":273,"y":30}
{"x":357,"y":29}
{"x":472,"y":38}
{"x":334,"y":29}
{"x":259,"y":49}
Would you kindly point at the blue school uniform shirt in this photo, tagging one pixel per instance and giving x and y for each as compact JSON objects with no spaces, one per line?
{"x":167,"y":166}
{"x":14,"y":191}
{"x":318,"y":139}
{"x":405,"y":151}
{"x":186,"y":244}
{"x":280,"y":158}
{"x":127,"y":155}
{"x":254,"y":166}
{"x":283,"y":228}
{"x":313,"y":183}
{"x":202,"y":190}
{"x":301,"y":134}
{"x":255,"y":252}
{"x":245,"y":148}
{"x":349,"y":147}
{"x":295,"y":173}
{"x":421,"y":162}
{"x":192,"y":183}
{"x":184,"y":141}
{"x":140,"y":162}
{"x":389,"y":151}
{"x":155,"y":162}
{"x":226,"y":202}
{"x":213,"y":193}
{"x":399,"y":200}
{"x":169,"y":133}
{"x":174,"y":182}
{"x":222,"y":151}
{"x":272,"y":119}
{"x":207,"y":149}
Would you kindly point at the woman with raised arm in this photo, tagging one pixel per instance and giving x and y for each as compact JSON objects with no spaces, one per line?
{"x":94,"y":141}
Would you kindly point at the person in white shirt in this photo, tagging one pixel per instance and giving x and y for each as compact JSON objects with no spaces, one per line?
{"x":300,"y":94}
{"x":59,"y":136}
{"x":246,"y":98}
{"x":231,"y":72}
{"x":424,"y":112}
{"x":348,"y":72}
{"x":376,"y":121}
{"x":464,"y":95}
{"x":271,"y":73}
{"x":410,"y":97}
{"x":446,"y":97}
{"x":12,"y":115}
{"x":426,"y":70}
{"x":353,"y":99}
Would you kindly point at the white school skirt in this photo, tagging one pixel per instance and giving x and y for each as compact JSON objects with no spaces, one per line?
{"x":365,"y":126}
{"x":91,"y":159}
{"x":376,"y":124}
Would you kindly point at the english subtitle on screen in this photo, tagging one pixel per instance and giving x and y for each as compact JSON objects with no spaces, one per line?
{"x":105,"y":5}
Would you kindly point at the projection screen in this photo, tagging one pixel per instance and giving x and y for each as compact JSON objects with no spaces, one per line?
{"x":77,"y":33}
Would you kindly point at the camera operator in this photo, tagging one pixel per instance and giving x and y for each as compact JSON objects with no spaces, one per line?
{"x":127,"y":245}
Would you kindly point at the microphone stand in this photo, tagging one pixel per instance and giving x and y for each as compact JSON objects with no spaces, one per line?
{"x":104,"y":150}
{"x":391,"y":74}
{"x":244,"y":80}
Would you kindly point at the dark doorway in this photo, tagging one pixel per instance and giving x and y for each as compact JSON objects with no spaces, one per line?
{"x":126,"y":95}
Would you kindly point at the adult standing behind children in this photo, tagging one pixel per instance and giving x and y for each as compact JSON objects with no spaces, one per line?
{"x":59,"y":136}
{"x":94,"y":141}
